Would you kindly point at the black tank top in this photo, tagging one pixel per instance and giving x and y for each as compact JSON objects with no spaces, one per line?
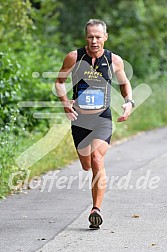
{"x":92,"y":84}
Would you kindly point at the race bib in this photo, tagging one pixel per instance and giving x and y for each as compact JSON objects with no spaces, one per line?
{"x":90,"y":99}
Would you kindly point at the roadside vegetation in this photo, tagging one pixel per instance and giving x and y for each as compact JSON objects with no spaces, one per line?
{"x":35,"y":36}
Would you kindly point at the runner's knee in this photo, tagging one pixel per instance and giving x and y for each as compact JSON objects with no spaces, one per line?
{"x":97,"y":161}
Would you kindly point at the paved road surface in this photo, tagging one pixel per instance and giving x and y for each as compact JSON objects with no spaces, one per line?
{"x":134,"y":207}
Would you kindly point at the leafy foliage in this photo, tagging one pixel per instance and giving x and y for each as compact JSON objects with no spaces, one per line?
{"x":16,"y":24}
{"x":22,"y":53}
{"x":35,"y":35}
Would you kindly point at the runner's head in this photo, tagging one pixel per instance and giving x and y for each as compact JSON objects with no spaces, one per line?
{"x":97,"y":22}
{"x":96,"y":35}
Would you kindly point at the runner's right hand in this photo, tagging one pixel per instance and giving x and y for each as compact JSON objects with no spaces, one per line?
{"x":69,"y":110}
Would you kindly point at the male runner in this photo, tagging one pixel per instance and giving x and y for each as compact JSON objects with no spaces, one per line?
{"x":92,"y":68}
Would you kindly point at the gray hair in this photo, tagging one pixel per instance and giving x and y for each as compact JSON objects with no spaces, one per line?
{"x":96,"y":22}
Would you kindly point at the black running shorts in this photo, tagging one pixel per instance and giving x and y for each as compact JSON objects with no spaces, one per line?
{"x":91,"y":126}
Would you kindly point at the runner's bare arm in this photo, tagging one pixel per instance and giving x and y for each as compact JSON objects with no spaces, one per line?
{"x":65,"y":70}
{"x":125,"y":86}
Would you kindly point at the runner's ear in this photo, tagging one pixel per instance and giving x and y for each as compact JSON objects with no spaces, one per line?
{"x":106,"y":36}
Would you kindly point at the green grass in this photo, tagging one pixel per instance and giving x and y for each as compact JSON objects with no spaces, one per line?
{"x":151,"y":114}
{"x":60,"y":156}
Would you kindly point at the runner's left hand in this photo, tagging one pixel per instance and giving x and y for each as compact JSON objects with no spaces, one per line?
{"x":127,"y":111}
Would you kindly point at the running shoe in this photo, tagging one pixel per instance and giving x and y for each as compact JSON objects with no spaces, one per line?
{"x":95,"y":219}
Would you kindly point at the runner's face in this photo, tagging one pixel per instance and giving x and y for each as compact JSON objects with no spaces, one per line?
{"x":95,"y":38}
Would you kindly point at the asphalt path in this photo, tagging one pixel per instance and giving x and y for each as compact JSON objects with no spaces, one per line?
{"x":53,"y":217}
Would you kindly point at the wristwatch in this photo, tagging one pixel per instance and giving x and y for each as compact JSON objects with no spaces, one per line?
{"x":132,"y":101}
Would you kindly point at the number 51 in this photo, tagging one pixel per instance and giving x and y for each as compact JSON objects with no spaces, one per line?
{"x":89,"y":99}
